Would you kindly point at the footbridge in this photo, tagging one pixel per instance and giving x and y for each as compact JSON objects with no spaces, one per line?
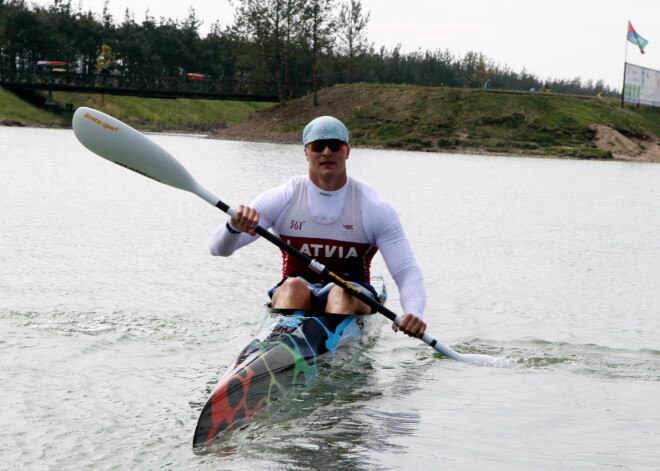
{"x":141,"y":86}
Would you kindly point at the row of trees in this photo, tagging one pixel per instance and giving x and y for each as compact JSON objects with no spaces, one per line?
{"x":289,"y":42}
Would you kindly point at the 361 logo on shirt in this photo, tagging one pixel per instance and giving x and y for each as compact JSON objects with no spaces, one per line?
{"x":296,"y":225}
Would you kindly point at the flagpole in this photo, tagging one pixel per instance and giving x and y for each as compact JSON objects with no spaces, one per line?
{"x":625,"y":64}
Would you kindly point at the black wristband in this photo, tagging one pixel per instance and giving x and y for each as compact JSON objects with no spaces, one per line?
{"x":230,"y":229}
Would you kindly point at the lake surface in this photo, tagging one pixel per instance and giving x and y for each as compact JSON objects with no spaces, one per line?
{"x":115,"y":322}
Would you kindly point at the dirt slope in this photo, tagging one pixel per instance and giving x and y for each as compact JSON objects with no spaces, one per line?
{"x":627,"y":148}
{"x":273,"y":124}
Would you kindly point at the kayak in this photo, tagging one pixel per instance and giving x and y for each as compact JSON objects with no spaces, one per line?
{"x":291,"y":348}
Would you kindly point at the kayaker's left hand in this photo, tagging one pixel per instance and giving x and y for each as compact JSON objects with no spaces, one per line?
{"x":411,"y":325}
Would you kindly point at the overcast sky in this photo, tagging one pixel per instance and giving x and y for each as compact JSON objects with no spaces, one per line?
{"x":553,"y":39}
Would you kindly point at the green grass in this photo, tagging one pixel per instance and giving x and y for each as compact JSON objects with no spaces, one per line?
{"x":502,"y":121}
{"x":152,"y":114}
{"x":389,"y":116}
{"x":18,"y":112}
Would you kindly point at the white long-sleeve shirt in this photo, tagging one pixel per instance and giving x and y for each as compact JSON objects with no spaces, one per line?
{"x":335,"y":226}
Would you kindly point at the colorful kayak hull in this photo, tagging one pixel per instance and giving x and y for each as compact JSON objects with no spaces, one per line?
{"x":289,"y":350}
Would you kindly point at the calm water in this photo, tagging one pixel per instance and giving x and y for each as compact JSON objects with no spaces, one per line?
{"x":115,"y":322}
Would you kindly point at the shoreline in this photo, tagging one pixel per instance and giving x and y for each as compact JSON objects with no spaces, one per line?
{"x":617,"y":147}
{"x":269,"y":139}
{"x":219,"y":134}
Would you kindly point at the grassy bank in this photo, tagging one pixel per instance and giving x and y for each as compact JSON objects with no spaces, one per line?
{"x":446,"y":118}
{"x":443,"y":118}
{"x":150,"y":114}
{"x":386,"y":116}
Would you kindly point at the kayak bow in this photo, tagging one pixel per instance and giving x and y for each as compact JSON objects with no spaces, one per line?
{"x":290,"y":349}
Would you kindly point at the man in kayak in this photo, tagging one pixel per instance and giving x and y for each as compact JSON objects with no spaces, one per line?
{"x":339,"y":221}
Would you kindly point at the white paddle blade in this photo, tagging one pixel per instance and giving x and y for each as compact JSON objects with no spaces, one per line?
{"x":119,"y":143}
{"x":474,"y":358}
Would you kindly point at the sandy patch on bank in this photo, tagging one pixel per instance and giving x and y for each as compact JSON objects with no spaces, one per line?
{"x":627,"y":148}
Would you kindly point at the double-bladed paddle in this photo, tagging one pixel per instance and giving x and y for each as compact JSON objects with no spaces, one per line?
{"x":123,"y":145}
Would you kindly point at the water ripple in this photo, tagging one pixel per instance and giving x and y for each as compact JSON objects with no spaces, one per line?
{"x":582,"y":359}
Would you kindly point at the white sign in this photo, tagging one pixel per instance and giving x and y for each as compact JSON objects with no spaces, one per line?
{"x":641,"y":86}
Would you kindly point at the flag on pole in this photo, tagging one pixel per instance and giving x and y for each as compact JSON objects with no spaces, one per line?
{"x":636,"y":39}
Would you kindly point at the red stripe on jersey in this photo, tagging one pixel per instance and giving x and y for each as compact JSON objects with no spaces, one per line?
{"x":347,"y":259}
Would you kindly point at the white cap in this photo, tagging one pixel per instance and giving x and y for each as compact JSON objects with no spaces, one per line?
{"x":325,"y":127}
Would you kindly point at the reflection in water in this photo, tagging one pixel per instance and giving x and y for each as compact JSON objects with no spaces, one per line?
{"x":330,"y":424}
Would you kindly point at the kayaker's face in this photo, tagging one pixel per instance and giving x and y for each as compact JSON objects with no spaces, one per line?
{"x":327,"y":167}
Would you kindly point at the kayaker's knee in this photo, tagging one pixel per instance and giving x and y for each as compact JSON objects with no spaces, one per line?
{"x":340,"y":302}
{"x":293,"y":293}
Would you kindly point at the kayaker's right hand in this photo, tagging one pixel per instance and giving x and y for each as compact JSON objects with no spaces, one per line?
{"x":411,"y":325}
{"x":246,"y":219}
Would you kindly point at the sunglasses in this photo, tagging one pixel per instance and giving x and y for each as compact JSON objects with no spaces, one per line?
{"x":335,"y":145}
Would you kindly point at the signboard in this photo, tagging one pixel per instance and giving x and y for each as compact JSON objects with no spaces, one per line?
{"x":641,"y":85}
